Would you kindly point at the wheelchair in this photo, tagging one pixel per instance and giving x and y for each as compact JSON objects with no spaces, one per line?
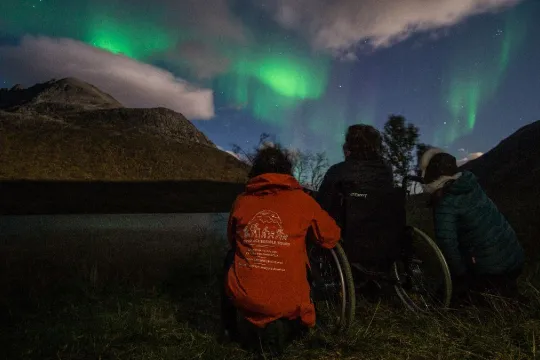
{"x":420,"y":279}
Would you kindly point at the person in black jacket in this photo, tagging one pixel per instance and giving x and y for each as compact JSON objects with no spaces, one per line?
{"x":359,"y":194}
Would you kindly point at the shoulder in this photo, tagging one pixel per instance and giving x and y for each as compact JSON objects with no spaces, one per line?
{"x":303,"y":200}
{"x":301,"y":194}
{"x":384,"y":168}
{"x":336,"y":170}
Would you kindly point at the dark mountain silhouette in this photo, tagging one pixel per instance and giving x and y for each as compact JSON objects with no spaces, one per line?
{"x":512,"y":165}
{"x":70,"y":130}
{"x":510,"y":174}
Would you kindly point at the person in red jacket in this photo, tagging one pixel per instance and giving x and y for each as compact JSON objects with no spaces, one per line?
{"x":266,"y":277}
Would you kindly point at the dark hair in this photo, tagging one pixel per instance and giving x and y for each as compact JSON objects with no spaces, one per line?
{"x":271,"y":159}
{"x":363,"y":142}
{"x":442,"y":164}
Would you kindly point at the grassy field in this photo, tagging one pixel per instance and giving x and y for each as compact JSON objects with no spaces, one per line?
{"x":122,"y":299}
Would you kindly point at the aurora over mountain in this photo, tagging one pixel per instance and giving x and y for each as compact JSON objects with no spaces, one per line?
{"x":304,"y":71}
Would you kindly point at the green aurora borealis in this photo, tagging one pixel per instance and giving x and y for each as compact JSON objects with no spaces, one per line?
{"x":273,"y":79}
{"x":133,"y":40}
{"x":270,"y":86}
{"x":266,"y":83}
{"x":476,"y":75}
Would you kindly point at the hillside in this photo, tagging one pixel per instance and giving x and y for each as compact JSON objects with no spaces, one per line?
{"x":510,"y":174}
{"x":513,"y":163}
{"x":70,"y":130}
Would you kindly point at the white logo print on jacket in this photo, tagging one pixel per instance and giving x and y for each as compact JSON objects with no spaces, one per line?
{"x":264,"y":232}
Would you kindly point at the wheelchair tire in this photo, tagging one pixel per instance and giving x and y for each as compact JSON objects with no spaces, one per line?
{"x":345,"y":311}
{"x":425,"y":251}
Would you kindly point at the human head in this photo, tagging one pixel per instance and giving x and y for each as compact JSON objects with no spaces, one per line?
{"x":362,"y":142}
{"x":436,"y":163}
{"x":271,"y":159}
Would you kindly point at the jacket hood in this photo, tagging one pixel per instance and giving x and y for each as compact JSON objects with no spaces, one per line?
{"x":466,"y":183}
{"x":271,"y":183}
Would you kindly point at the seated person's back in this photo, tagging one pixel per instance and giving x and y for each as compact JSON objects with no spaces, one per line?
{"x":360,"y":194}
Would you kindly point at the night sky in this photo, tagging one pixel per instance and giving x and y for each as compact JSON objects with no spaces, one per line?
{"x":466,"y":72}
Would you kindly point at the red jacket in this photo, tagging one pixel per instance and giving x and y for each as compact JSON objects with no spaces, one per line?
{"x":267,"y":227}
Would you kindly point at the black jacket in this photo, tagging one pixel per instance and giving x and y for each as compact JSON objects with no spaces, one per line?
{"x":360,"y":196}
{"x":352,"y":174}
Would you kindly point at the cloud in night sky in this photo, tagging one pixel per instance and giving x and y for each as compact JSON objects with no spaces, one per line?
{"x":210,"y":25}
{"x":132,"y":83}
{"x":469,"y":157}
{"x":213,"y":19}
{"x":230,"y":152}
{"x":339,"y":25}
{"x":236,"y":155}
{"x":206,"y":27}
{"x":203,"y":60}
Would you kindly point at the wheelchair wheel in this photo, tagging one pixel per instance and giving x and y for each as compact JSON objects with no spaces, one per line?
{"x":332,"y":288}
{"x":424,"y":283}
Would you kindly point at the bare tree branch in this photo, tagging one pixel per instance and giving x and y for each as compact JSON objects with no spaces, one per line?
{"x":308,"y":168}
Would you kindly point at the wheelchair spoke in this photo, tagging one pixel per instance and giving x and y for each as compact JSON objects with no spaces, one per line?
{"x":328,"y":288}
{"x":419,"y":291}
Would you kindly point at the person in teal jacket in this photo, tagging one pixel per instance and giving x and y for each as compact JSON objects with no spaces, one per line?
{"x":480,"y":246}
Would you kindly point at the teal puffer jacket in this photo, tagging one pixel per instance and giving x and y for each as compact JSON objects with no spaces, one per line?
{"x":472,"y":233}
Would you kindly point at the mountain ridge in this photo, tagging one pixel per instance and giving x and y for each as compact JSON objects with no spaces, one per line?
{"x":64,"y":91}
{"x":70,"y":130}
{"x":516,"y":154}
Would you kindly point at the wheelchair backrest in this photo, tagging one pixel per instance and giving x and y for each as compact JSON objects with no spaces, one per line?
{"x":376,"y":210}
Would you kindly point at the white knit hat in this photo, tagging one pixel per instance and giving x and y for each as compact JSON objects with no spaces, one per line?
{"x":426,"y":158}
